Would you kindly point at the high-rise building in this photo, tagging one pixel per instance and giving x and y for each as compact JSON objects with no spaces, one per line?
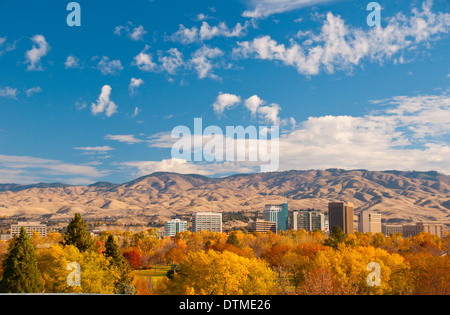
{"x":369,"y":221}
{"x":261,"y":226}
{"x":308,"y":220}
{"x":207,"y":221}
{"x":411,"y":230}
{"x":30,"y":227}
{"x":278,"y":214}
{"x":341,"y":214}
{"x":175,"y":226}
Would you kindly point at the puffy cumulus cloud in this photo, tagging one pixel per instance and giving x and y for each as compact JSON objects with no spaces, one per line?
{"x":104,"y":103}
{"x":264,"y":8}
{"x":405,"y":133}
{"x":133,"y":32}
{"x":342,"y":47}
{"x":107,"y":66}
{"x":72,"y":62}
{"x":172,"y":61}
{"x":207,"y":32}
{"x":144,"y":61}
{"x":8,"y":92}
{"x":224,"y":102}
{"x":202,"y":62}
{"x":35,"y":54}
{"x":134,"y":84}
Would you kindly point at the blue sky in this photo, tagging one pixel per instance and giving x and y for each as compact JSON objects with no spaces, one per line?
{"x":98,"y":102}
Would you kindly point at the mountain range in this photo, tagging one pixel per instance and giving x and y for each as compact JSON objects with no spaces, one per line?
{"x":401,"y":196}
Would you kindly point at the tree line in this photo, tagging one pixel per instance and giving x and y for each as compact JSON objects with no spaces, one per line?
{"x":292,"y":262}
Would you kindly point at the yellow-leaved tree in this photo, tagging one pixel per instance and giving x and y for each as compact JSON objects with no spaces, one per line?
{"x":215,"y":273}
{"x":97,"y":275}
{"x":349,"y":265}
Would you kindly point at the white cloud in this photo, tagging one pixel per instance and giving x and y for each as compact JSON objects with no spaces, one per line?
{"x":21,"y":169}
{"x":225,"y":101}
{"x":72,"y":62}
{"x":109,"y":67}
{"x":341,"y":47}
{"x":202,"y":61}
{"x":181,"y":166}
{"x":144,"y":60}
{"x":101,"y":149}
{"x":104,"y":103}
{"x":8,"y":92}
{"x":129,"y":139}
{"x":264,"y":8}
{"x":207,"y":32}
{"x":133,"y":32}
{"x":33,"y":90}
{"x":136,"y":112}
{"x":405,"y":133}
{"x":39,"y":50}
{"x":172,"y":62}
{"x":134,"y":84}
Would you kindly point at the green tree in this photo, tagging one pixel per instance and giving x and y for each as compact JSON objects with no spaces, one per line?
{"x":118,"y":261}
{"x":21,"y":274}
{"x":78,"y":235}
{"x":233,"y":239}
{"x":336,"y":236}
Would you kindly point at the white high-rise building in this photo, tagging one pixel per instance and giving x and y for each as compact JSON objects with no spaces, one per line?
{"x":175,"y":226}
{"x":207,"y":221}
{"x":369,"y":221}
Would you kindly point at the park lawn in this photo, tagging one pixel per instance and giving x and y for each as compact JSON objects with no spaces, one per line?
{"x":157,"y":273}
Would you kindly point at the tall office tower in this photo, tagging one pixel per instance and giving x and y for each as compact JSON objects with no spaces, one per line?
{"x":278,"y":214}
{"x":30,"y":227}
{"x":308,"y":220}
{"x":175,"y":226}
{"x":369,"y":221}
{"x":341,"y":214}
{"x":207,"y":221}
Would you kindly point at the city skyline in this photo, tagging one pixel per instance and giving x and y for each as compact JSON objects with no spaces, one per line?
{"x":98,"y":102}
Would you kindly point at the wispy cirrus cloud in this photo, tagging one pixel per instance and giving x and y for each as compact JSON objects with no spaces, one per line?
{"x":128,"y":139}
{"x":264,"y":8}
{"x":27,"y":169}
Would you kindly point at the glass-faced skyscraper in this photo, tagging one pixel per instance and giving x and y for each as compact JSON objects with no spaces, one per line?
{"x":278,"y":214}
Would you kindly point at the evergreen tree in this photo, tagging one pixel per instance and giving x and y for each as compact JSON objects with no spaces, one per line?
{"x":124,"y":277}
{"x":336,"y":236}
{"x":21,"y":274}
{"x":233,"y":239}
{"x":78,"y":235}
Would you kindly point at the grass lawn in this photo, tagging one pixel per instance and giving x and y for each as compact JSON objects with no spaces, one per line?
{"x":157,"y":273}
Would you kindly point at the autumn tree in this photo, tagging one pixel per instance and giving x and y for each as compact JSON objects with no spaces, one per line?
{"x":214,"y":273}
{"x":20,"y":271}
